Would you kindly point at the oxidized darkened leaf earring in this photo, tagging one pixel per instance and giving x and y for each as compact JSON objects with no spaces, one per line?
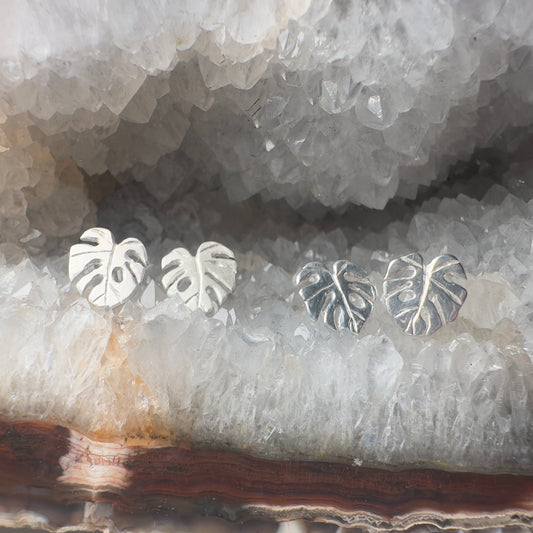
{"x":345,"y":295}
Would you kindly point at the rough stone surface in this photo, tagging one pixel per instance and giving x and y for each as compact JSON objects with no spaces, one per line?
{"x":276,"y":128}
{"x":101,"y":517}
{"x":329,"y":101}
{"x":260,"y":375}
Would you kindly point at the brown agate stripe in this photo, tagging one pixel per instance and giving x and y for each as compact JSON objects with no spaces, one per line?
{"x":70,"y":467}
{"x":30,"y":454}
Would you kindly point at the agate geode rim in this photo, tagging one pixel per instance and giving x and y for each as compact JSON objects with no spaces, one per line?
{"x":46,"y":462}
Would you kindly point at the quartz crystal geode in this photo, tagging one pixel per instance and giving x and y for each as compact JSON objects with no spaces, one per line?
{"x":291,"y":132}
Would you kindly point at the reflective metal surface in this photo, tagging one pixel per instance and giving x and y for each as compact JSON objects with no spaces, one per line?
{"x":345,"y":296}
{"x":423,"y":299}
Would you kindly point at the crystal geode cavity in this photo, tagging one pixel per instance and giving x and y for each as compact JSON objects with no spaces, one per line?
{"x":259,"y":125}
{"x":332,"y":101}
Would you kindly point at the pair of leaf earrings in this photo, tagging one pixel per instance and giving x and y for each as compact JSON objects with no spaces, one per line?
{"x":108,"y":273}
{"x":421,"y":299}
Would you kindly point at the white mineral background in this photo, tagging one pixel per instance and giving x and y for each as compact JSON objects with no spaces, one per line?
{"x":290,"y":131}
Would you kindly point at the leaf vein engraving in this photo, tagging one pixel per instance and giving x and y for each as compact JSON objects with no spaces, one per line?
{"x":437,"y":300}
{"x":329,"y":293}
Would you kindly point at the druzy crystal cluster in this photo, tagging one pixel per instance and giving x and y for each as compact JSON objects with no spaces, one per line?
{"x":290,"y":131}
{"x":330,"y":101}
{"x":261,"y":375}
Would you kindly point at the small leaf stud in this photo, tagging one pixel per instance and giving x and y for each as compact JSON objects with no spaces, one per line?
{"x":105,"y":272}
{"x":202,"y":281}
{"x":423,"y":299}
{"x":345,"y":296}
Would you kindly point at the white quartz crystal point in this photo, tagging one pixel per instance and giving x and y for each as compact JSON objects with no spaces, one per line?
{"x":422,"y":300}
{"x":345,"y":296}
{"x":106,"y":272}
{"x":201,"y":280}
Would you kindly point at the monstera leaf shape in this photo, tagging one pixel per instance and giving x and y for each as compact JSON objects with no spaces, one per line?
{"x":106,"y":272}
{"x":422,"y":300}
{"x":203,"y":279}
{"x":346,"y":296}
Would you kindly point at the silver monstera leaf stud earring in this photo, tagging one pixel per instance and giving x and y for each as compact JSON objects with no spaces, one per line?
{"x":345,"y":295}
{"x":423,"y":299}
{"x":105,"y":272}
{"x":202,"y":281}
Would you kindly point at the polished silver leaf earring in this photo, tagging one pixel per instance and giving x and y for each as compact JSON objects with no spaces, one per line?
{"x":423,"y":299}
{"x":345,"y":296}
{"x":105,"y":272}
{"x":202,"y":280}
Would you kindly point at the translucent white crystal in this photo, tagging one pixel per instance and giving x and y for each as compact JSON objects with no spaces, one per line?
{"x":330,"y":101}
{"x":262,"y":376}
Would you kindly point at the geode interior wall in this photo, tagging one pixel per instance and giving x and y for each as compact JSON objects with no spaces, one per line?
{"x":289,"y":131}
